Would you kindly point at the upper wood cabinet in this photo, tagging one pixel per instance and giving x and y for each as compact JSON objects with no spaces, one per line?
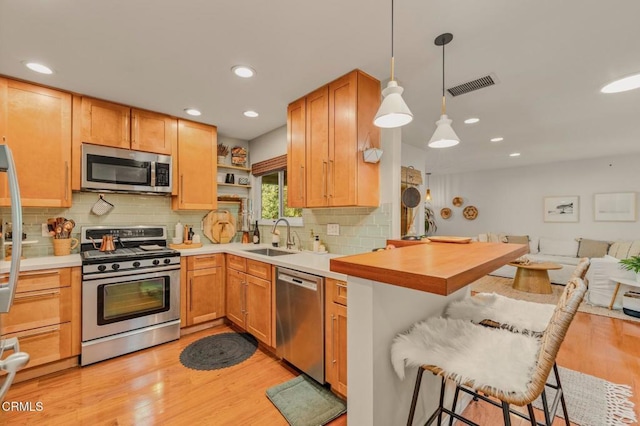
{"x":338,"y":126}
{"x":35,"y":122}
{"x":297,"y":154}
{"x":109,"y":124}
{"x":195,"y":170}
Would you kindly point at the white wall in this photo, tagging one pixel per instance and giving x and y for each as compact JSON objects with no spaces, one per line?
{"x":269,"y":145}
{"x":510,"y":200}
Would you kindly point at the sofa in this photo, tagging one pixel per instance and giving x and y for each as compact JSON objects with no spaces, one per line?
{"x":604,"y":257}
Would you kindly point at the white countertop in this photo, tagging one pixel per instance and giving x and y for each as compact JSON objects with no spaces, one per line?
{"x":309,"y":262}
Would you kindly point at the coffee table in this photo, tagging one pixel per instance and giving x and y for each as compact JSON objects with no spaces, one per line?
{"x":618,"y":281}
{"x":533,"y":277}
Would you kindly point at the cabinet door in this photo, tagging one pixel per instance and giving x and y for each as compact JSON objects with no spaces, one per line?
{"x":236,"y":297}
{"x":205,"y":295}
{"x":197,"y":170}
{"x":153,"y":132}
{"x":105,"y":123}
{"x":336,"y":336}
{"x":317,"y":135}
{"x":45,"y":344}
{"x":258,"y":311}
{"x":35,"y":122}
{"x":343,"y":146}
{"x":296,"y":154}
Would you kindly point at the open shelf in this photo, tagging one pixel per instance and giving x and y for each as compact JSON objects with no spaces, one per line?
{"x":225,"y":166}
{"x":234,"y":184}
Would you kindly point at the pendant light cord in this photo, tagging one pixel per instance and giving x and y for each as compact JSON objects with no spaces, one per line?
{"x":444,"y":105}
{"x":392,"y":60}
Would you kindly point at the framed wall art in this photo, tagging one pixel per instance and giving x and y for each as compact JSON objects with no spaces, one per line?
{"x":615,"y":207}
{"x":561,"y":209}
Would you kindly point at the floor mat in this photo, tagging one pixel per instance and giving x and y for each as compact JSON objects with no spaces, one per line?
{"x":218,"y":351}
{"x":303,"y":402}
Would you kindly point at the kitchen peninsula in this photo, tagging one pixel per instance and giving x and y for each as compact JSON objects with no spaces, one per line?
{"x":388,"y":292}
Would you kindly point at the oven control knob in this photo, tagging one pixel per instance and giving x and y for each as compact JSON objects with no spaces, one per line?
{"x":115,"y":266}
{"x":136,"y":264}
{"x":156,"y":262}
{"x":102,"y":268}
{"x":167,"y":261}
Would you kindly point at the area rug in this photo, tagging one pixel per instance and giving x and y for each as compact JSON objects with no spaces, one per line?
{"x":218,"y":351}
{"x":303,"y":402}
{"x":503,"y":286}
{"x":592,"y":401}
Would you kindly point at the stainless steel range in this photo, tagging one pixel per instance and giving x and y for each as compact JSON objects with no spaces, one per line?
{"x":130,"y":295}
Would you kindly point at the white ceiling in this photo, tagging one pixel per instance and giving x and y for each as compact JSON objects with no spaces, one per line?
{"x":550,"y":57}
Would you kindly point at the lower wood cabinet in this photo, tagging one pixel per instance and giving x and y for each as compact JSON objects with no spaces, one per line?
{"x":203,"y":289}
{"x":45,"y":316}
{"x":249,"y":296}
{"x":336,"y":335}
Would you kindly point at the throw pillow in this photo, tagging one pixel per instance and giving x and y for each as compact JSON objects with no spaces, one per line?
{"x":558,"y":247}
{"x":592,"y":248}
{"x":624,"y":249}
{"x":496,"y":238}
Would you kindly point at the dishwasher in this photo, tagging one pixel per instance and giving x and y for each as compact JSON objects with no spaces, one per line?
{"x":300,"y":321}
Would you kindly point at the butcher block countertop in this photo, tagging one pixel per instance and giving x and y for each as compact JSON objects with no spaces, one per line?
{"x":439,"y":268}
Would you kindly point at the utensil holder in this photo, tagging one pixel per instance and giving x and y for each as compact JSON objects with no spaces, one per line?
{"x":63,"y":246}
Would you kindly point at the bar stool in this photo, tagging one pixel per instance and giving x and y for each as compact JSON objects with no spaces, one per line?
{"x":487,"y":362}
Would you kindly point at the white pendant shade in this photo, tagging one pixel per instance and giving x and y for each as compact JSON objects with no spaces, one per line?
{"x":444,"y":136}
{"x":393,"y":111}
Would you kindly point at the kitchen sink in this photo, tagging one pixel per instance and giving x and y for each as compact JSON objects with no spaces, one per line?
{"x":270,"y":252}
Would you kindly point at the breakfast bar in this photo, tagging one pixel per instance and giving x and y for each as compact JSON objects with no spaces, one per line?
{"x":388,"y":292}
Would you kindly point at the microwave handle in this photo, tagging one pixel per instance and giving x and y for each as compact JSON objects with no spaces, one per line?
{"x":153,"y":173}
{"x":7,"y":165}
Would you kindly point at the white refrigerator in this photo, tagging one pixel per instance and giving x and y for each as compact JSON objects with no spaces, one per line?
{"x":14,"y":362}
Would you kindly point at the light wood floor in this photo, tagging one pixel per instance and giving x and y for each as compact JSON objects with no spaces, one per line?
{"x":151,"y":387}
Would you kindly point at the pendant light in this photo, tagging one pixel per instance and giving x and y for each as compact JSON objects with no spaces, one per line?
{"x":427,"y":196}
{"x":393,"y":111}
{"x":444,"y":136}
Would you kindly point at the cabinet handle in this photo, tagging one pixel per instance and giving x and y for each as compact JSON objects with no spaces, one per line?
{"x":37,"y":294}
{"x":242,"y":298}
{"x":38,"y":331}
{"x":66,"y":180}
{"x":246,"y":312}
{"x":190,"y":293}
{"x":125,"y":129}
{"x":333,"y":340}
{"x":181,"y":188}
{"x":301,"y":182}
{"x":341,"y":285}
{"x":324,"y":178}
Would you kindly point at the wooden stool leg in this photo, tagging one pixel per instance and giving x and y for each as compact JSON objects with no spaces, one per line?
{"x":416,"y":390}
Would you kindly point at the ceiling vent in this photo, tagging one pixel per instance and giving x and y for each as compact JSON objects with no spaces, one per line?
{"x":470,"y":86}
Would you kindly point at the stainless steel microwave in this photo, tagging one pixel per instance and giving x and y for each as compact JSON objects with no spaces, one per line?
{"x":113,"y":169}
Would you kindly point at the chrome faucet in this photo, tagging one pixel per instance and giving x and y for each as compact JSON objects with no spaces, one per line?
{"x":289,"y":242}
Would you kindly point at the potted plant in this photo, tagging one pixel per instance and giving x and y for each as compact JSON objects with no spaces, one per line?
{"x":429,"y":220}
{"x":632,"y":264}
{"x":223,"y":151}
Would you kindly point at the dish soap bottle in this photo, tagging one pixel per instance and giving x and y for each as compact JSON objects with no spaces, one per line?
{"x":316,"y":244}
{"x":256,"y":234}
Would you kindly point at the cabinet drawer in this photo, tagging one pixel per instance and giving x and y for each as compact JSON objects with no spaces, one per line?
{"x":40,"y":308}
{"x":45,"y":344}
{"x":204,"y":261}
{"x":40,"y":280}
{"x":338,"y":291}
{"x":259,"y":269}
{"x":236,"y":262}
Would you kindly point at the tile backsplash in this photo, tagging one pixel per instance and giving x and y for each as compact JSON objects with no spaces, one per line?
{"x":361,"y":228}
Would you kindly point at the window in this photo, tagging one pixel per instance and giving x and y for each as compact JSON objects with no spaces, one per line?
{"x":273,"y":198}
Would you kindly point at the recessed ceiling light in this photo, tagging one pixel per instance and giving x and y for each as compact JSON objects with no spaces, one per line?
{"x":471,"y":120}
{"x":251,"y":114}
{"x":496,"y":139}
{"x":192,"y":111}
{"x":628,"y":83}
{"x":42,"y":69}
{"x":514,"y":154}
{"x":243,"y":71}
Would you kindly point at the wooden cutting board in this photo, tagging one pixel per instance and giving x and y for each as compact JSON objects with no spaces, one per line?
{"x":222,"y":232}
{"x":210,"y":221}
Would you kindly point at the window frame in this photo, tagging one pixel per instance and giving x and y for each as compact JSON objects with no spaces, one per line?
{"x":293,"y":221}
